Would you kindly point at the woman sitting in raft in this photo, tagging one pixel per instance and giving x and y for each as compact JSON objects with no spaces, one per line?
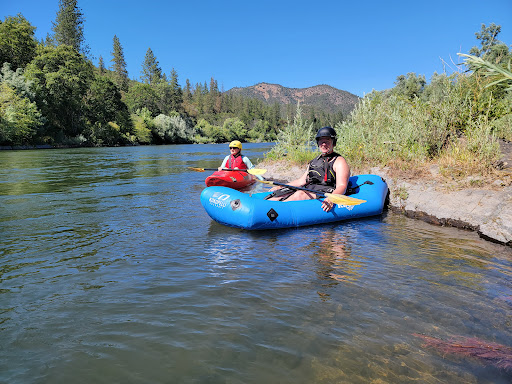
{"x":327,"y":173}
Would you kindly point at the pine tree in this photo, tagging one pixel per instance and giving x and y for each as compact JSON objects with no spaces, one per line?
{"x":198,"y":97}
{"x":68,"y":27}
{"x":101,"y":65}
{"x":119,"y":66}
{"x":212,"y":96}
{"x":176,"y":92}
{"x":187,"y":92}
{"x":151,"y":72}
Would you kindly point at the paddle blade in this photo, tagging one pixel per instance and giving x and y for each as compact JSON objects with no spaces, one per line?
{"x":256,"y":171}
{"x":196,"y":169}
{"x":344,"y":200}
{"x":265,"y":182}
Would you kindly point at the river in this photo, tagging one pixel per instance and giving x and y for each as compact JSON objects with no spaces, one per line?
{"x":112,"y":272}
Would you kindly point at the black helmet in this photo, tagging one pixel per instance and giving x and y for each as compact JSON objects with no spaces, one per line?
{"x":326,"y":132}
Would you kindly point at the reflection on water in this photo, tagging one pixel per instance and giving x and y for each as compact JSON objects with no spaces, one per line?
{"x":335,"y":259}
{"x":111,"y":271}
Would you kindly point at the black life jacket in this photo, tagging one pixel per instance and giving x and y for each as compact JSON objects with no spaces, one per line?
{"x":321,"y":170}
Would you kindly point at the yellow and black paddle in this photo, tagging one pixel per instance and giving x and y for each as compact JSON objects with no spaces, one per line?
{"x":334,"y":197}
{"x":253,"y":171}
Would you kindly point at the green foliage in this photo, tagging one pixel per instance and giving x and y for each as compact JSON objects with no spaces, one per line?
{"x":234,"y":129}
{"x":171,"y":129}
{"x":169,"y":94}
{"x":498,"y":74}
{"x":143,"y":126}
{"x":453,"y":121}
{"x":61,"y":79}
{"x":386,"y":128}
{"x":104,"y":134}
{"x":101,"y":66}
{"x":176,"y":99}
{"x":409,"y":86}
{"x":454,"y":118}
{"x":389,"y":127}
{"x":107,"y":115}
{"x":491,"y":49}
{"x":151,"y":72}
{"x":142,"y":132}
{"x":17,"y":81}
{"x":208,"y":133}
{"x":17,"y":43}
{"x":119,"y":65}
{"x":68,"y":27}
{"x":295,"y":140}
{"x":19,"y":117}
{"x":260,"y":132}
{"x":142,"y":96}
{"x":503,"y":127}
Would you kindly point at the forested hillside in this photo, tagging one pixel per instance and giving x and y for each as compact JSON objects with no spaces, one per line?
{"x":51,"y":93}
{"x":319,"y":98}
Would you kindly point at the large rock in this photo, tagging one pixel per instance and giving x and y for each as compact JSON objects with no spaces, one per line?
{"x":485,"y":211}
{"x":489,"y":212}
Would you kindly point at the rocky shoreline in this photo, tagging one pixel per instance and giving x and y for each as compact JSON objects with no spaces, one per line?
{"x":486,"y":211}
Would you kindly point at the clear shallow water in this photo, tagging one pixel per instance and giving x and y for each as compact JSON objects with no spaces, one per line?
{"x":111,"y":271}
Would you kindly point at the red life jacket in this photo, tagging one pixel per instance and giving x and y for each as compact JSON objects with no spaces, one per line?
{"x":236,"y":162}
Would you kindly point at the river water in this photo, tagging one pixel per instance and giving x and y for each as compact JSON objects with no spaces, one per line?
{"x":112,"y":272}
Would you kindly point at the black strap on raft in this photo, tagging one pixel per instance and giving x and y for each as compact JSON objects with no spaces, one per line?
{"x":351,"y":190}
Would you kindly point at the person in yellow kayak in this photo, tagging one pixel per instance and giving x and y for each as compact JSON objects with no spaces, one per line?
{"x":328,"y":173}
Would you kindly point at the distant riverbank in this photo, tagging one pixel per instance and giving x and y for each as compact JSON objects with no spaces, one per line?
{"x":487,"y":211}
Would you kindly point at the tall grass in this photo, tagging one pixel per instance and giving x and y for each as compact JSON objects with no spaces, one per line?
{"x":295,"y":141}
{"x":452,"y":123}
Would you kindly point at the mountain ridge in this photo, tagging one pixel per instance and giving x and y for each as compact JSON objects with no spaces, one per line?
{"x":323,"y":96}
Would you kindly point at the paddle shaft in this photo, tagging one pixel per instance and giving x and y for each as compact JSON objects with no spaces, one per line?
{"x":333,"y":197}
{"x":225,"y":169}
{"x":294,"y":187}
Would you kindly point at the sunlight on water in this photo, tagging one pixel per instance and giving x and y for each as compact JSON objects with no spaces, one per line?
{"x":111,"y":271}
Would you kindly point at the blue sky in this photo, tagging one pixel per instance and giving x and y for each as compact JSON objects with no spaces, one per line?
{"x":355,"y":46}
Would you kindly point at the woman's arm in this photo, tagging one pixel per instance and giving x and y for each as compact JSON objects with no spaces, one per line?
{"x":342,"y":175}
{"x":247,"y":162}
{"x":224,"y":163}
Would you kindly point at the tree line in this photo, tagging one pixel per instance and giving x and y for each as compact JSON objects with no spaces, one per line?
{"x":51,"y":93}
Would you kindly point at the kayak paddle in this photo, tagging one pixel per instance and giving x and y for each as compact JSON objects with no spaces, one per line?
{"x":334,"y":197}
{"x":253,"y":171}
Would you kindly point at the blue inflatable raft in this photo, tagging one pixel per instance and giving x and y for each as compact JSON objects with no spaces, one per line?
{"x":237,"y":209}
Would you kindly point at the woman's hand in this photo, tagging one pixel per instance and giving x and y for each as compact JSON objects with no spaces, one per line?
{"x":327,"y":205}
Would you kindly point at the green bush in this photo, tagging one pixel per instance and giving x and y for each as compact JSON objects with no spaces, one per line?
{"x":295,"y":140}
